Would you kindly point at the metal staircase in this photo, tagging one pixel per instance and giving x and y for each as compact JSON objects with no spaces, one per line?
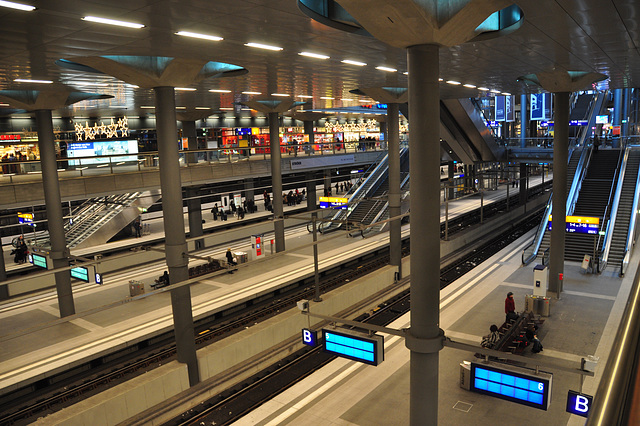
{"x":624,"y":211}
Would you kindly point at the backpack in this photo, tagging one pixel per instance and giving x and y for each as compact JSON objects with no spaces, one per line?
{"x":537,"y":346}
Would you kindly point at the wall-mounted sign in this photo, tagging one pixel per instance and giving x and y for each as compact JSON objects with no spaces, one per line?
{"x":323,"y":161}
{"x":512,"y":384}
{"x":579,"y":403}
{"x":580,"y":224}
{"x":102,"y":131}
{"x":25,"y":218}
{"x":500,"y":108}
{"x":355,"y":346}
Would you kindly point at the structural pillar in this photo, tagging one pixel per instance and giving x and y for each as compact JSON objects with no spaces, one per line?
{"x":175,"y":242}
{"x":55,"y":222}
{"x":450,"y":175}
{"x":189,"y":132}
{"x":4,"y":291}
{"x":559,"y":209}
{"x":425,"y":337}
{"x":194,"y":212}
{"x":276,"y":180}
{"x":312,"y":203}
{"x":327,"y":180}
{"x":384,"y":129}
{"x":522,"y":183}
{"x":524,"y":117}
{"x":395,"y":241}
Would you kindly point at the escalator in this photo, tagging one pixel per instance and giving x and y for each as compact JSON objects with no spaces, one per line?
{"x":624,"y":211}
{"x":98,"y":219}
{"x":594,"y":198}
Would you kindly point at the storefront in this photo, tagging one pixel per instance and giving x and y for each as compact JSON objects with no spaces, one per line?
{"x":15,"y":148}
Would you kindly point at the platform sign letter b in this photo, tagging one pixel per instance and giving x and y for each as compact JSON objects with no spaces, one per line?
{"x":579,"y":403}
{"x":309,"y":337}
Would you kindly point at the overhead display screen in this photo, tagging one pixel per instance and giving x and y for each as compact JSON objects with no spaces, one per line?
{"x":39,"y":260}
{"x":80,"y":273}
{"x":534,"y":391}
{"x":580,"y":225}
{"x":354,"y":346}
{"x":333,"y":203}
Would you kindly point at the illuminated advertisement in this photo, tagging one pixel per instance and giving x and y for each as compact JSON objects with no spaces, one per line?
{"x":119,"y":149}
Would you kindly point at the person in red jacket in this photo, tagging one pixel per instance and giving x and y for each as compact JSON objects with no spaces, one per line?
{"x":510,"y":307}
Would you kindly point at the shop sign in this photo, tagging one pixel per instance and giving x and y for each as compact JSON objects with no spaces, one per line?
{"x":369,"y":125}
{"x":102,"y":131}
{"x":10,"y":137}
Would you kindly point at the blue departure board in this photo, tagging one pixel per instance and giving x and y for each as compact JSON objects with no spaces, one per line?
{"x":39,"y":260}
{"x":531,"y":390}
{"x":80,"y":273}
{"x":355,"y":346}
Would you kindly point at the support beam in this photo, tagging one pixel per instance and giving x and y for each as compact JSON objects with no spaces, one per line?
{"x":175,"y":241}
{"x":395,"y":240}
{"x":55,"y":222}
{"x":560,"y":158}
{"x":425,"y":342}
{"x":194,"y":212}
{"x":276,"y":180}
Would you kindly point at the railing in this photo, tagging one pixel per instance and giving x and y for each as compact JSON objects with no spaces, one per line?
{"x":122,"y":163}
{"x":633,"y":229}
{"x":611,"y":211}
{"x":615,"y":391}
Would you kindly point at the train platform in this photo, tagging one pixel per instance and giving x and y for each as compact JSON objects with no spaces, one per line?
{"x":36,"y":343}
{"x":583,"y":321}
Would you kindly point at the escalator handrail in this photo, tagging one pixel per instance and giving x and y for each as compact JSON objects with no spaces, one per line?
{"x":632,"y":228}
{"x":611,"y":211}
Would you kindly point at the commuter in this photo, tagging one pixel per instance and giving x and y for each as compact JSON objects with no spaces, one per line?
{"x":492,"y":338}
{"x":596,"y":143}
{"x":223,"y":214}
{"x":165,"y":278}
{"x":233,"y":208}
{"x":137,"y":225}
{"x":240,"y":213}
{"x":532,"y":338}
{"x":230,"y":260}
{"x":214,"y":211}
{"x":21,"y":251}
{"x":510,"y":307}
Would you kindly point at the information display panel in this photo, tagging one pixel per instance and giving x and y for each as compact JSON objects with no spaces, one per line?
{"x":39,"y":260}
{"x":579,"y":403}
{"x":333,"y":203}
{"x":512,"y":385}
{"x":354,"y":346}
{"x":580,"y":224}
{"x":80,"y":273}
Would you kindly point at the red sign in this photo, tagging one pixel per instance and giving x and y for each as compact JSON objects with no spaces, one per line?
{"x":10,"y":137}
{"x":258,"y":247}
{"x":615,"y":130}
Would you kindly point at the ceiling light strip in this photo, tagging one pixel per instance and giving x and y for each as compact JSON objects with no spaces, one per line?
{"x":263,"y":46}
{"x":313,"y":55}
{"x":112,"y":22}
{"x":200,"y":36}
{"x":18,"y":6}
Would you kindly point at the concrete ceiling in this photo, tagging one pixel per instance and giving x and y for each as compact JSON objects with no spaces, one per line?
{"x":581,"y":35}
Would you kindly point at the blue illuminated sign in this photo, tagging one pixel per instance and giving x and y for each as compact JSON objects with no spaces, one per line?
{"x":381,"y":106}
{"x":354,"y":346}
{"x":534,"y":391}
{"x":80,"y":273}
{"x":98,"y":278}
{"x":579,"y":403}
{"x":39,"y":260}
{"x":309,"y":337}
{"x":580,"y":228}
{"x":500,"y":108}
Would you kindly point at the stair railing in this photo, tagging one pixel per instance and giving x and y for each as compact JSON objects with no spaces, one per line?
{"x":610,"y":213}
{"x":633,"y":228}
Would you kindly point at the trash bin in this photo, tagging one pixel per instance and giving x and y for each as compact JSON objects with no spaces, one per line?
{"x":544,"y":306}
{"x":241,"y":257}
{"x":135,"y":288}
{"x":465,"y":375}
{"x":529,"y":303}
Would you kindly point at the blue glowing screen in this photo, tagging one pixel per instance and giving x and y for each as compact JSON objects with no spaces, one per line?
{"x":579,"y":403}
{"x":357,"y":348}
{"x":511,"y":386}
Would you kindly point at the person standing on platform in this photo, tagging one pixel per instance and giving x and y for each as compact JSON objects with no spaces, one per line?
{"x":214,"y":211}
{"x":137,"y":225}
{"x":510,"y":307}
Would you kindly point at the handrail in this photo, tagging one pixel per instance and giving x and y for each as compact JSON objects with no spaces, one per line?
{"x":613,"y":394}
{"x":612,"y":209}
{"x":631,"y":235}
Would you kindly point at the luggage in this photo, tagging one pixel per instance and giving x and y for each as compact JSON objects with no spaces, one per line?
{"x":537,"y":346}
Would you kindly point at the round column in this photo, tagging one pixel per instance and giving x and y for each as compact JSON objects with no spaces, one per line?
{"x":55,"y":222}
{"x":276,"y":180}
{"x":393,"y":131}
{"x":175,"y":241}
{"x":424,"y":143}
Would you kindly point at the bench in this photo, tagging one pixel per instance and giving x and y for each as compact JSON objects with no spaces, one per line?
{"x":513,"y":334}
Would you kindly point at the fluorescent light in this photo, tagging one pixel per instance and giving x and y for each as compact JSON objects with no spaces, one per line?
{"x":327,"y":98}
{"x":181,"y":107}
{"x":226,"y":109}
{"x":147,"y":107}
{"x":387,"y":69}
{"x":365,"y":101}
{"x":455,"y":83}
{"x":263,"y":46}
{"x":133,"y":86}
{"x":86,"y":83}
{"x":3,"y":104}
{"x":440,"y":79}
{"x":484,"y":89}
{"x":280,"y":94}
{"x":196,"y":35}
{"x":470,"y":86}
{"x":220,"y":91}
{"x":186,"y":89}
{"x":26,"y":80}
{"x":112,"y":22}
{"x":506,"y":93}
{"x":313,"y":55}
{"x":305,"y":96}
{"x":203,"y":107}
{"x":356,"y":63}
{"x":495,"y":91}
{"x":406,"y":73}
{"x":252,"y":93}
{"x":18,"y":6}
{"x":347,"y":100}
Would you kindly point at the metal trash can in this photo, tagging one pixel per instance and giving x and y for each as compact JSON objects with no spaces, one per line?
{"x":241,"y":257}
{"x":544,"y":307}
{"x":529,"y":303}
{"x":465,"y":375}
{"x":136,"y":288}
